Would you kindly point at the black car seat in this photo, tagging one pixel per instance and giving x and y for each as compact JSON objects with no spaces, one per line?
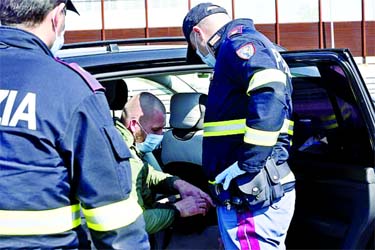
{"x":116,"y":92}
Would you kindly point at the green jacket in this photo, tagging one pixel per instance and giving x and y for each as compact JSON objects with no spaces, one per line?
{"x":146,"y":182}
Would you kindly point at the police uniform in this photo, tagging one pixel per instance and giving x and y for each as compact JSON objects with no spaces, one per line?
{"x":248,"y":120}
{"x":60,"y":154}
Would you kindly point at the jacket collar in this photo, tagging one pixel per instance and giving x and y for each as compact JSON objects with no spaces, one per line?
{"x":14,"y":37}
{"x":216,"y":40}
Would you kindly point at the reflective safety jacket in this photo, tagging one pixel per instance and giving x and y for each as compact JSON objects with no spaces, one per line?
{"x":248,"y":112}
{"x":146,"y":182}
{"x":60,"y":154}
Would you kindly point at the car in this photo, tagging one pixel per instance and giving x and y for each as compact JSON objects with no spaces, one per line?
{"x":333,"y":147}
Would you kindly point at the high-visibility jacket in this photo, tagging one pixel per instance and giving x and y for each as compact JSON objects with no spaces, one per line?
{"x":148,"y":181}
{"x":248,"y":111}
{"x":60,"y":154}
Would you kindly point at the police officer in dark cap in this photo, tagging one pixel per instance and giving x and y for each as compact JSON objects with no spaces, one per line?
{"x":60,"y":152}
{"x":247,"y":128}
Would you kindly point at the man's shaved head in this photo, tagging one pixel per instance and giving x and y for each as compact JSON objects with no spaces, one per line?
{"x":147,"y":110}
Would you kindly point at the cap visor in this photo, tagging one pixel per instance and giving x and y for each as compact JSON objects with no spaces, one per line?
{"x":70,"y":6}
{"x":192,"y":57}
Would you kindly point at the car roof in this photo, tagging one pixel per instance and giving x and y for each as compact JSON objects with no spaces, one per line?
{"x":127,"y":54}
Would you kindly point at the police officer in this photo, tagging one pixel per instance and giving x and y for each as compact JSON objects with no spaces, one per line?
{"x":60,"y":152}
{"x":247,"y":128}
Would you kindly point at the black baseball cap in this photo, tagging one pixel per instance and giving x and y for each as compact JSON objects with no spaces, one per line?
{"x":69,"y":6}
{"x":193,"y":17}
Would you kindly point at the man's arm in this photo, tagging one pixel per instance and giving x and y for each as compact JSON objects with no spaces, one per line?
{"x":101,"y":179}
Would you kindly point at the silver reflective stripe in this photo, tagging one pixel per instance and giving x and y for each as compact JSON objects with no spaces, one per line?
{"x":261,"y":137}
{"x":113,"y":216}
{"x":39,"y":222}
{"x":264,"y":77}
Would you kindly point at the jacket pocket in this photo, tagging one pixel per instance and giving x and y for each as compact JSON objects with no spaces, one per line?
{"x":118,"y":145}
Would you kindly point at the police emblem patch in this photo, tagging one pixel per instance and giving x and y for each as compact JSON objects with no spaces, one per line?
{"x":246,"y":51}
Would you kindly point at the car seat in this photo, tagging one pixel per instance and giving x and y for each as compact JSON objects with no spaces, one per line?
{"x":181,"y":151}
{"x":116,"y":92}
{"x":181,"y":148}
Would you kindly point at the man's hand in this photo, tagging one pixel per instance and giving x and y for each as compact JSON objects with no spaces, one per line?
{"x":228,"y":174}
{"x":190,"y":206}
{"x":186,"y":189}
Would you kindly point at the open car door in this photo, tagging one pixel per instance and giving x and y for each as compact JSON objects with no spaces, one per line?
{"x":332,"y":154}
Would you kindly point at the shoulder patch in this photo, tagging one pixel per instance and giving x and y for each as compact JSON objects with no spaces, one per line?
{"x":246,"y":51}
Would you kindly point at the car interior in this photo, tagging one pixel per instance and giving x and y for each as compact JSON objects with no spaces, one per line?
{"x":331,"y":154}
{"x":331,"y":157}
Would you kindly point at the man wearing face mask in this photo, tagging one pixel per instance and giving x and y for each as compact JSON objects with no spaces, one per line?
{"x":247,"y":128}
{"x":143,"y":117}
{"x":151,"y":116}
{"x":60,"y":153}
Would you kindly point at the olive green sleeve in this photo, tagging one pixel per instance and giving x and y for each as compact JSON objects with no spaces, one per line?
{"x":160,"y":182}
{"x":158,"y":219}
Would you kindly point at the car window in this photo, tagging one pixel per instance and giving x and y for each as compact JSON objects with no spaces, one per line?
{"x":165,"y":85}
{"x":328,"y":123}
{"x":305,"y":71}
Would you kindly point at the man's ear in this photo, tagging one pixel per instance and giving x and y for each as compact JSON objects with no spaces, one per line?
{"x":132,"y":124}
{"x":197,"y":30}
{"x":58,"y":17}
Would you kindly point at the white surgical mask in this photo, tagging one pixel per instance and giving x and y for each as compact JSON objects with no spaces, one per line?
{"x":59,"y":39}
{"x":152,"y":141}
{"x":59,"y":42}
{"x":208,"y":59}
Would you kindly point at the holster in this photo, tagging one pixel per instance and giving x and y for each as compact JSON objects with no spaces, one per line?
{"x":262,"y":189}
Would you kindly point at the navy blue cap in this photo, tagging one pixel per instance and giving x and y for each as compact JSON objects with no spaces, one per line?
{"x":69,"y":6}
{"x":193,"y":17}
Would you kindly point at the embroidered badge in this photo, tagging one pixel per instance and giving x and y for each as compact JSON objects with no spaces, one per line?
{"x":246,"y":51}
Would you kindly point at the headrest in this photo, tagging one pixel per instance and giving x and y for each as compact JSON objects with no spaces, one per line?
{"x":116,"y":92}
{"x":187,"y":110}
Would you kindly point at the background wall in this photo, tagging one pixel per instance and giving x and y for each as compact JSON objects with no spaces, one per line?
{"x":294,"y":24}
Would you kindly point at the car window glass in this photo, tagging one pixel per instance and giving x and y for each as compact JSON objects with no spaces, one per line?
{"x":164,"y":86}
{"x":328,"y":124}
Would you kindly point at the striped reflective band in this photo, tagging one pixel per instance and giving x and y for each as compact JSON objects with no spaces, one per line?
{"x":113,"y":216}
{"x":287,"y":127}
{"x":237,"y":127}
{"x":267,"y":138}
{"x":232,"y":127}
{"x":264,"y":77}
{"x":330,"y":121}
{"x":39,"y":222}
{"x":261,"y":137}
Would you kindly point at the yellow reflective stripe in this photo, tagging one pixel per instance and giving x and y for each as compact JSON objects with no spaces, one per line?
{"x":261,"y":137}
{"x":330,"y":121}
{"x":235,"y":127}
{"x":287,"y":127}
{"x":113,"y":216}
{"x":264,"y":77}
{"x":39,"y":222}
{"x":221,"y":128}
